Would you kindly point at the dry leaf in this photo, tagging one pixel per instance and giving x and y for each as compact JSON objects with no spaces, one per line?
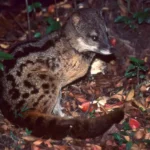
{"x":96,"y":147}
{"x":98,"y":66}
{"x":48,"y":143}
{"x":119,"y":95}
{"x":139,"y":105}
{"x":4,"y":127}
{"x":58,"y":147}
{"x":130,"y":95}
{"x":38,"y":142}
{"x":143,"y":88}
{"x":134,"y":124}
{"x":139,"y":134}
{"x":147,"y":136}
{"x":127,"y":138}
{"x":34,"y":147}
{"x":29,"y":138}
{"x":135,"y":147}
{"x":4,"y":46}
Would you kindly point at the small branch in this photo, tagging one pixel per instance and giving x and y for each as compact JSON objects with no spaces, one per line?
{"x":16,"y":22}
{"x":28,"y":19}
{"x":56,"y":9}
{"x":138,"y":75}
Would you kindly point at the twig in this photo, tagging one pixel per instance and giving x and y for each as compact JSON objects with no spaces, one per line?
{"x":56,"y":9}
{"x":28,"y":19}
{"x":16,"y":22}
{"x":75,"y":4}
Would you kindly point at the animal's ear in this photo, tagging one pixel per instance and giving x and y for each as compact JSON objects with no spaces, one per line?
{"x":76,"y":18}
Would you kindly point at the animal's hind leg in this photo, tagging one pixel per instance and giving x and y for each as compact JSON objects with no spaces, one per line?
{"x":58,"y":108}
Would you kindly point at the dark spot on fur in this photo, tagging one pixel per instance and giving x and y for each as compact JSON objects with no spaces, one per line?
{"x":46,"y":92}
{"x":53,"y":59}
{"x":53,"y":67}
{"x":40,"y":61}
{"x":57,"y":65}
{"x":53,"y":90}
{"x":53,"y":85}
{"x":47,"y":63}
{"x":9,"y":64}
{"x":45,"y":86}
{"x":29,"y":62}
{"x":40,"y":97}
{"x":42,"y":76}
{"x":25,"y":95}
{"x":29,"y":75}
{"x":20,"y":104}
{"x":35,"y":104}
{"x":45,"y":102}
{"x":50,"y":96}
{"x":51,"y":79}
{"x":34,"y":91}
{"x":10,"y":77}
{"x":15,"y":94}
{"x":58,"y":59}
{"x":22,"y":66}
{"x":27,"y":84}
{"x":18,"y":73}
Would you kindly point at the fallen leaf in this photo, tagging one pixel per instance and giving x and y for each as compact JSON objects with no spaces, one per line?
{"x":34,"y":147}
{"x":38,"y":142}
{"x":143,"y":88}
{"x":130,"y":95}
{"x":127,"y":138}
{"x":134,"y":124}
{"x":4,"y":46}
{"x":139,"y":105}
{"x":87,"y":106}
{"x":96,"y":147}
{"x":29,"y":138}
{"x":4,"y":127}
{"x":139,"y":134}
{"x":135,"y":147}
{"x":147,"y":136}
{"x":113,"y":42}
{"x":48,"y":143}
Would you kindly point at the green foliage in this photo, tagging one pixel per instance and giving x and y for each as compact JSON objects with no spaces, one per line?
{"x":28,"y":132}
{"x":34,"y":6}
{"x":127,"y":21}
{"x":119,"y":138}
{"x":4,"y":56}
{"x":137,"y":68}
{"x":53,"y":25}
{"x":136,"y":18}
{"x":92,"y":114}
{"x":126,"y":126}
{"x":19,"y":114}
{"x":13,"y":136}
{"x":129,"y":145}
{"x":37,"y":35}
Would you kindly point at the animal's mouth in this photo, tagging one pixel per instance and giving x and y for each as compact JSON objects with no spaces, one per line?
{"x":105,"y":52}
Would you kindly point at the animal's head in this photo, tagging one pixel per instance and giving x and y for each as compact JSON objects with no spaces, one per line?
{"x":86,"y":31}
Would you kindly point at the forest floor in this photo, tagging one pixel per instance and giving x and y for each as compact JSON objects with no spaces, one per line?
{"x":122,"y":80}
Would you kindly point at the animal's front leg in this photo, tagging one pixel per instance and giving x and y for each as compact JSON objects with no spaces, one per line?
{"x":58,"y":108}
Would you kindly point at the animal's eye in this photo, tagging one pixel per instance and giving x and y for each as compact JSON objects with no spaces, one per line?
{"x":94,"y":38}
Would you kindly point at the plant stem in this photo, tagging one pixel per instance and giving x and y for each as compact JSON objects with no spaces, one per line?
{"x":138,"y":73}
{"x":28,"y":19}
